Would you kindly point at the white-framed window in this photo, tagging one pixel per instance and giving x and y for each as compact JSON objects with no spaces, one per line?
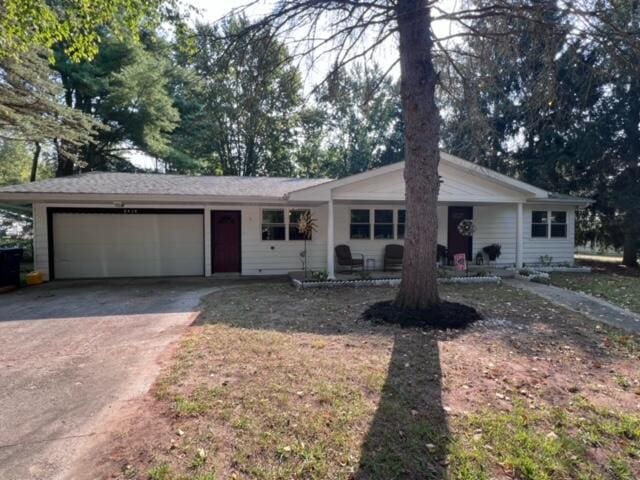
{"x":360,"y":226}
{"x":294,"y":218}
{"x":548,"y":224}
{"x":402,"y":213}
{"x":273,"y":224}
{"x":377,"y":223}
{"x":383,"y":224}
{"x":539,"y":224}
{"x":558,"y":224}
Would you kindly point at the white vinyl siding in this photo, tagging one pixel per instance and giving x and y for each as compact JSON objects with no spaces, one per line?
{"x":560,"y":249}
{"x":265,"y":257}
{"x":496,"y":224}
{"x":457,"y":185}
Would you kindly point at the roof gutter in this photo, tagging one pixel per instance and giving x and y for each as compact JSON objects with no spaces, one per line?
{"x":22,"y":197}
{"x":579,"y":202}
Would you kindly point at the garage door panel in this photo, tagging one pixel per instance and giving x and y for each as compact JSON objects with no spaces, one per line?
{"x":96,"y":245}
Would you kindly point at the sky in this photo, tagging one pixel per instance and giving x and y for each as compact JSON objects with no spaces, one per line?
{"x":216,"y":9}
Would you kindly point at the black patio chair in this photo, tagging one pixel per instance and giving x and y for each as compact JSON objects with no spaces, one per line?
{"x":393,"y":256}
{"x":344,"y":258}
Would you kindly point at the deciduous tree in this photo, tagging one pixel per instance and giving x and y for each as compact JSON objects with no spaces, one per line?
{"x":27,"y":25}
{"x":245,"y":107}
{"x":361,"y":117}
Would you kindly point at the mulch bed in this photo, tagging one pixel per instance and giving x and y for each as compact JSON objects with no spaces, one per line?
{"x":441,"y":315}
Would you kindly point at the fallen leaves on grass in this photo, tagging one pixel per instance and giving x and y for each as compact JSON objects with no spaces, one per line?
{"x":284,"y":384}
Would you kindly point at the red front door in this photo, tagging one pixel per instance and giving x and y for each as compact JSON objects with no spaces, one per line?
{"x":458,"y":243}
{"x":225,"y":241}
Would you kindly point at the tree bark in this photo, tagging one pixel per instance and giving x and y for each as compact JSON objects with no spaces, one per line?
{"x":419,"y":288}
{"x":34,"y":162}
{"x":630,"y":250}
{"x":65,"y":160}
{"x":631,"y":181}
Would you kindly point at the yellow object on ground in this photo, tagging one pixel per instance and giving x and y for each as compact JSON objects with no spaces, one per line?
{"x":34,"y":278}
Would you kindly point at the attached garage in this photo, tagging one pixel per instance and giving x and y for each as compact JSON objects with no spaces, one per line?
{"x":103,"y":243}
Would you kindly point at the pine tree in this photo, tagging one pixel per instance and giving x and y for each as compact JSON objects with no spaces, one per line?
{"x":30,"y":109}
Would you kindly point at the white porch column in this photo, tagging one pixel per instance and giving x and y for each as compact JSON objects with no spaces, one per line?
{"x":519,"y":236}
{"x":330,"y":238}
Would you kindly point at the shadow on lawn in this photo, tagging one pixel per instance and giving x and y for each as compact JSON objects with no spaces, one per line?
{"x":408,"y":437}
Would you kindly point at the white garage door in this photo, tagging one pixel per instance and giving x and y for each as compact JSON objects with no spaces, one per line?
{"x":99,"y":245}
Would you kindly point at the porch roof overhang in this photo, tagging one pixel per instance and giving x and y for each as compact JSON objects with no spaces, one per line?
{"x":464,"y":183}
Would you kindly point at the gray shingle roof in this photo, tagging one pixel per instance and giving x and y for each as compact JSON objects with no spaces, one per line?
{"x":564,"y":196}
{"x":159,"y":184}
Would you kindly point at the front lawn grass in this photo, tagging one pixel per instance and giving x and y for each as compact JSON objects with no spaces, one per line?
{"x":282,"y":384}
{"x":621,"y":290}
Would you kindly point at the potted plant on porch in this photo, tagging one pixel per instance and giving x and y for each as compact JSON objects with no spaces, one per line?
{"x":492,"y":251}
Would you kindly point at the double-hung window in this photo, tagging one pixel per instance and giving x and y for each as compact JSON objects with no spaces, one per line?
{"x":273,"y":226}
{"x":383,"y":224}
{"x":360,"y":227}
{"x":539,"y":224}
{"x":545,"y":224}
{"x":401,"y":219}
{"x":558,"y":224}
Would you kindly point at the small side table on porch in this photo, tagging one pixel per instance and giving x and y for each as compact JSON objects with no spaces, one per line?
{"x":370,"y":263}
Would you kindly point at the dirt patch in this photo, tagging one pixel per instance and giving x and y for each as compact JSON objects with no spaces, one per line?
{"x":282,"y":384}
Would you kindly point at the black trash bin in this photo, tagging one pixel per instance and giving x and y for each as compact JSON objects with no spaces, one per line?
{"x":10,"y":267}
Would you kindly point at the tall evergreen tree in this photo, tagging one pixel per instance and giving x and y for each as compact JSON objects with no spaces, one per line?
{"x":126,"y":87}
{"x":615,"y":182}
{"x":30,"y":108}
{"x":563,"y":118}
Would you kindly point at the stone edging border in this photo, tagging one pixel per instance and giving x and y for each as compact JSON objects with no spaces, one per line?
{"x":385,"y":282}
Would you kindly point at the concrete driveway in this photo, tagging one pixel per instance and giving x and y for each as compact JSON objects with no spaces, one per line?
{"x":72,"y":354}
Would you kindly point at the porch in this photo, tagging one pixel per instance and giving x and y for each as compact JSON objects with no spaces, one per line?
{"x":367,"y":229}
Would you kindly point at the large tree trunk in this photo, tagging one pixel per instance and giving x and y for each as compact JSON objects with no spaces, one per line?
{"x":630,"y":249}
{"x":419,"y":288}
{"x":630,"y":185}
